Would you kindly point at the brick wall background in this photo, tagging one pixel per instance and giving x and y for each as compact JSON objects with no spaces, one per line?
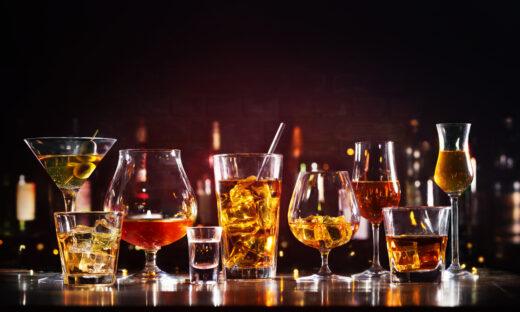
{"x":341,"y":72}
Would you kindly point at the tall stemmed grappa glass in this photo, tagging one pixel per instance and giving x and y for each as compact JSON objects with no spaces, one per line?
{"x":453,"y":174}
{"x":323,"y":214}
{"x":69,"y":161}
{"x":376,"y":186}
{"x":152,"y":188}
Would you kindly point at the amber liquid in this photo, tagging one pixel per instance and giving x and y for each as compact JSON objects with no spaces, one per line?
{"x":453,"y":172}
{"x":416,"y":252}
{"x":373,"y":196}
{"x":154,"y":233}
{"x":70,"y":171}
{"x":248,"y":213}
{"x":323,"y":232}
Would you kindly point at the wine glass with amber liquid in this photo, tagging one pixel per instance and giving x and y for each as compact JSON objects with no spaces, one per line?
{"x":323,"y":214}
{"x":453,"y":174}
{"x":376,"y":186}
{"x":152,"y":189}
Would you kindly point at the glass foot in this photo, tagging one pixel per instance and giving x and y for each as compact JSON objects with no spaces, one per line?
{"x":52,"y":280}
{"x":370,"y":275}
{"x":319,"y":278}
{"x":457,"y":273}
{"x":150,"y":277}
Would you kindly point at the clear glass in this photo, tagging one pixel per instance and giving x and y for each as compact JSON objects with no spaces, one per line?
{"x":204,"y":246}
{"x":453,"y":174}
{"x":416,"y":239}
{"x":69,"y":162}
{"x":89,"y":246}
{"x":376,"y":186}
{"x":151,"y":187}
{"x":323,"y":214}
{"x":248,"y":188}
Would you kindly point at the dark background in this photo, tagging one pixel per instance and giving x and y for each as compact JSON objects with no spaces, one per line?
{"x":341,"y":71}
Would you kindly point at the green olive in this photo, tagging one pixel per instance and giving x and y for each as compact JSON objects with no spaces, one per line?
{"x":83,"y":171}
{"x":88,"y":147}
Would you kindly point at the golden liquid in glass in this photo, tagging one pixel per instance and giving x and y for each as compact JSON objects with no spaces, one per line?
{"x":453,"y":173}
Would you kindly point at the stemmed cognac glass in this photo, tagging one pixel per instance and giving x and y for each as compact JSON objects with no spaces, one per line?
{"x":151,"y":187}
{"x":323,"y":214}
{"x":453,"y":174}
{"x":376,"y":186}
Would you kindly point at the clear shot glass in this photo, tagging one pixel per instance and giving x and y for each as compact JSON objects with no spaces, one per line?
{"x":204,"y":253}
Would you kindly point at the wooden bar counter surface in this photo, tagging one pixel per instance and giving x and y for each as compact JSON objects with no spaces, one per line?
{"x":494,"y":290}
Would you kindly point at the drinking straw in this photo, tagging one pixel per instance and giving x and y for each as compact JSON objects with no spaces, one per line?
{"x":272,"y":148}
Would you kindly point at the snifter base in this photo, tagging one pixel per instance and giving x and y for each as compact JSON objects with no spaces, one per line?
{"x":322,"y":278}
{"x":250,"y":273}
{"x":144,"y":277}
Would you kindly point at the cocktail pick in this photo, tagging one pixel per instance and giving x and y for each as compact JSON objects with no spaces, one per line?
{"x":272,"y":148}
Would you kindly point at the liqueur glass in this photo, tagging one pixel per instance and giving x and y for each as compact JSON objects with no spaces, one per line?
{"x":376,"y":186}
{"x":152,"y":189}
{"x":453,"y":174}
{"x":323,"y":214}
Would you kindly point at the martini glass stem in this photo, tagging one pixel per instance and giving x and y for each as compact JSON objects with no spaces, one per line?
{"x":376,"y":265}
{"x":70,"y":199}
{"x":324,"y":270}
{"x":455,"y":265}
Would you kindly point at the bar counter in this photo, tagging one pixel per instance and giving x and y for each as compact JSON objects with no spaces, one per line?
{"x":494,"y":290}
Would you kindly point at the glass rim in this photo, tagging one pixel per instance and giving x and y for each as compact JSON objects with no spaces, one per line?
{"x":149,"y":150}
{"x":375,"y":141}
{"x":72,"y":138}
{"x":57,"y":213}
{"x":453,"y":124}
{"x":324,"y":171}
{"x":408,"y":208}
{"x":248,"y":155}
{"x":203,"y":227}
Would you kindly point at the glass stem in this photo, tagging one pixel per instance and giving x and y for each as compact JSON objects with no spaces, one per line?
{"x":325,"y":270}
{"x":376,"y":266}
{"x":455,"y":233}
{"x":70,"y":199}
{"x":150,"y":267}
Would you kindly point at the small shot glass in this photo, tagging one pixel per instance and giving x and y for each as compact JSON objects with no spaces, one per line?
{"x":416,"y":239}
{"x":204,"y":246}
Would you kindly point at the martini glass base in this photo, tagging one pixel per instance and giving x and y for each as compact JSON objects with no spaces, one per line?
{"x":320,"y":278}
{"x":459,"y":274}
{"x":52,"y":280}
{"x":372,"y":275}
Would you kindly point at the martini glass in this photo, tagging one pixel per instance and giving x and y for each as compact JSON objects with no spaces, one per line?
{"x":69,"y":161}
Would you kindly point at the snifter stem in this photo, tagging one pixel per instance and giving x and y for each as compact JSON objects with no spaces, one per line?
{"x":324,"y":270}
{"x":150,"y":267}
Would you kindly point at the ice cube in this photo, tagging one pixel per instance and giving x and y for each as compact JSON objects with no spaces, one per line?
{"x":96,"y":263}
{"x":103,"y":242}
{"x":103,"y":226}
{"x":82,"y":238}
{"x":406,"y":258}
